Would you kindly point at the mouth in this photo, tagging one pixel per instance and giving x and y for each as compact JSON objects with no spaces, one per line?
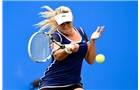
{"x":65,"y":29}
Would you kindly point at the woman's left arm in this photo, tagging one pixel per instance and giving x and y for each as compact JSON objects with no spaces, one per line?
{"x":91,"y":52}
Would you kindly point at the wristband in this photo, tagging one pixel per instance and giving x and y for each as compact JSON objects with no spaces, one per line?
{"x":68,"y":51}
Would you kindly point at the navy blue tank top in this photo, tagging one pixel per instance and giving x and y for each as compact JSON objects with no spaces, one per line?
{"x":68,"y":71}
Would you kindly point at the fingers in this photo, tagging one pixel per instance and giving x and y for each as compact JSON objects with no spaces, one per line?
{"x":72,"y":46}
{"x":75,"y":47}
{"x":101,"y":29}
{"x":98,"y":28}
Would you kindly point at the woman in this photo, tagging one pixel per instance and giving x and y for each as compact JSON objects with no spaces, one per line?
{"x":64,"y":71}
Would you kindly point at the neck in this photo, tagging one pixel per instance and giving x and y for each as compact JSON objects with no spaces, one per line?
{"x":71,"y":32}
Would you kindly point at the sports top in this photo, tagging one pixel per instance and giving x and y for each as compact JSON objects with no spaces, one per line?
{"x":68,"y":71}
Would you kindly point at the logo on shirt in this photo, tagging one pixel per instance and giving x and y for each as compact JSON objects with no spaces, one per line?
{"x":84,"y":41}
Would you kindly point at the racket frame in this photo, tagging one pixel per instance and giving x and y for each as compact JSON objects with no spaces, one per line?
{"x":51,"y":39}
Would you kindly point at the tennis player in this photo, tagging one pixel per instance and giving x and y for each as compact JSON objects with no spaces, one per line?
{"x":64,"y":71}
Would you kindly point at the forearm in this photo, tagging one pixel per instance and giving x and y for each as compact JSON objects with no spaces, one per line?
{"x":91,"y":54}
{"x":60,"y":55}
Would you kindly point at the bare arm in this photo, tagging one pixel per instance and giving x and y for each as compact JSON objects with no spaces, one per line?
{"x":61,"y":54}
{"x":91,"y":52}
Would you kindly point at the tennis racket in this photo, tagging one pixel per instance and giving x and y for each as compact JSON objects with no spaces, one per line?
{"x":39,"y":46}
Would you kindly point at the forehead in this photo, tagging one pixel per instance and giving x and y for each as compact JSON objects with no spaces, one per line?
{"x":67,"y":22}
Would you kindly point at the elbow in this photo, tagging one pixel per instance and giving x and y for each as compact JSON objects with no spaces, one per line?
{"x":90,"y":58}
{"x":59,"y":57}
{"x":91,"y":62}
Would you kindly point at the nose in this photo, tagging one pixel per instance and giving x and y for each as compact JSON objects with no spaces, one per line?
{"x":65,"y":24}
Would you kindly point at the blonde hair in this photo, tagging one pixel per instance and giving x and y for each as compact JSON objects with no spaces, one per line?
{"x":50,"y":20}
{"x":62,"y":9}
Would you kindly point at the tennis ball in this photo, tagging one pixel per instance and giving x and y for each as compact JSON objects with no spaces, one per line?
{"x":100,"y":58}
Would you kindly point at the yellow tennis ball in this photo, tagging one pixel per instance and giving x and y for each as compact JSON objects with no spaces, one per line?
{"x":100,"y":58}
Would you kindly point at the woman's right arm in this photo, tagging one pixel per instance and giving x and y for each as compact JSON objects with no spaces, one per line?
{"x":61,"y":54}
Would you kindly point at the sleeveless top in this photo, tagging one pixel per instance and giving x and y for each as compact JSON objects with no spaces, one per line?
{"x":68,"y":71}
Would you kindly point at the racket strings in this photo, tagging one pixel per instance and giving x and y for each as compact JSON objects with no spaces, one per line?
{"x":40,"y":47}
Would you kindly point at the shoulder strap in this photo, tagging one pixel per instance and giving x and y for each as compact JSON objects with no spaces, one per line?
{"x":83,"y":32}
{"x":56,"y":35}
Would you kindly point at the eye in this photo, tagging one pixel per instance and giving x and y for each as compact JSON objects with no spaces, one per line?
{"x":68,"y":22}
{"x":62,"y":24}
{"x":65,"y":23}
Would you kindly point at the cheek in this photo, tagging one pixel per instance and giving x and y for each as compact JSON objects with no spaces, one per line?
{"x":69,"y":25}
{"x":60,"y":27}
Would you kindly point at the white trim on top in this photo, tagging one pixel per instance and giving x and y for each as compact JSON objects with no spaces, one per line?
{"x":70,"y":39}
